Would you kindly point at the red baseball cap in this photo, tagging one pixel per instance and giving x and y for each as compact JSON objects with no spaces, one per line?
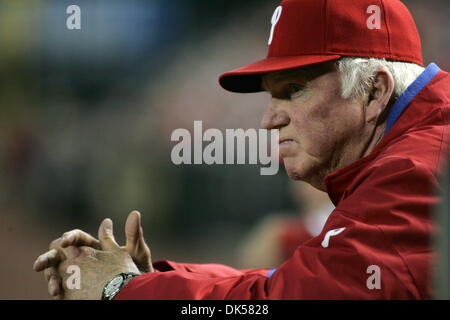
{"x":307,"y":32}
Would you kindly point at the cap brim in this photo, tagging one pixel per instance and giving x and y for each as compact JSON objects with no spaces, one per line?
{"x":248,"y":79}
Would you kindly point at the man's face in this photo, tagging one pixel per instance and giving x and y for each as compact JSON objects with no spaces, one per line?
{"x":320,"y":132}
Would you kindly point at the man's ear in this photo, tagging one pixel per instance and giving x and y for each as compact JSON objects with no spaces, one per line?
{"x":380,"y":96}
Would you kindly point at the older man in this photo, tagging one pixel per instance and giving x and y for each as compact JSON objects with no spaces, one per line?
{"x":360,"y":118}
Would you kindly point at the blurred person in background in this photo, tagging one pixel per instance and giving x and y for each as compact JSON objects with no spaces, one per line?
{"x":377,"y":150}
{"x":277,"y":236}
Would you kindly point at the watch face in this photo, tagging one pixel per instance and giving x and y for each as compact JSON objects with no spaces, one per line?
{"x":114,"y":285}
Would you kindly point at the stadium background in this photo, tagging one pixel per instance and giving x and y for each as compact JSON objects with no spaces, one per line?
{"x":86,"y":117}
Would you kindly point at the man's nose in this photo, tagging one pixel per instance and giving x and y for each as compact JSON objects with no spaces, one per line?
{"x":274,"y":117}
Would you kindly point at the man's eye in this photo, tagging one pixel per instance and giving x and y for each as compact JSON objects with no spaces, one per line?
{"x":294,"y":88}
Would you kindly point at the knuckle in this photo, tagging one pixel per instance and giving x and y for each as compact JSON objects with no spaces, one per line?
{"x":108,"y":237}
{"x":72,"y":251}
{"x":74,"y":232}
{"x":87,"y":250}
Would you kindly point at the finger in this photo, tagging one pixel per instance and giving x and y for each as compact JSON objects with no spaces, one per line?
{"x":79,"y":238}
{"x":49,"y":259}
{"x":54,"y":257}
{"x":55,"y":286}
{"x":49,"y":272}
{"x":133,"y":231}
{"x":106,"y":236}
{"x":54,"y":281}
{"x":135,"y":244}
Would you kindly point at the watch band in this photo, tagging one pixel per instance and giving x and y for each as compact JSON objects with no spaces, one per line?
{"x":113,"y":287}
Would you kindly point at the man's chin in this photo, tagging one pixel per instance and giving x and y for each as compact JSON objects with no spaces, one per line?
{"x":294,"y":175}
{"x":292,"y":172}
{"x":295,"y":169}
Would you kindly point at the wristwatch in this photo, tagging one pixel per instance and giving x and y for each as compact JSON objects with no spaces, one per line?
{"x":113,"y":287}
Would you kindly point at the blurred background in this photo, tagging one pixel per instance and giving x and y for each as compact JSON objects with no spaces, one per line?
{"x":86,"y":118}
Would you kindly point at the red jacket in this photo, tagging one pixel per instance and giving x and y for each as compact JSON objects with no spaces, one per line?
{"x":380,"y":247}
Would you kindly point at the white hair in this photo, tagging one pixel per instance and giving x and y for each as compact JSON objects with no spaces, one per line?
{"x":358,"y":75}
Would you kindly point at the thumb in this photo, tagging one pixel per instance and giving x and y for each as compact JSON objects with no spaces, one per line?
{"x":136,"y":245}
{"x":106,"y":236}
{"x":133,"y":231}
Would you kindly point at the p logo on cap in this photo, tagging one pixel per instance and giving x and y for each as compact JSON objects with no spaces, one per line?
{"x":276,"y":16}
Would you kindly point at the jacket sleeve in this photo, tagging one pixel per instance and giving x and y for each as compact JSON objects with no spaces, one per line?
{"x":348,"y":260}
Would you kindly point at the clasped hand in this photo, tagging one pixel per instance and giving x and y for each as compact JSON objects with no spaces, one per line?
{"x":98,"y":260}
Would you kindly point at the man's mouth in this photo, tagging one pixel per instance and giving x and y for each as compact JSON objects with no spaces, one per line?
{"x":284,"y":142}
